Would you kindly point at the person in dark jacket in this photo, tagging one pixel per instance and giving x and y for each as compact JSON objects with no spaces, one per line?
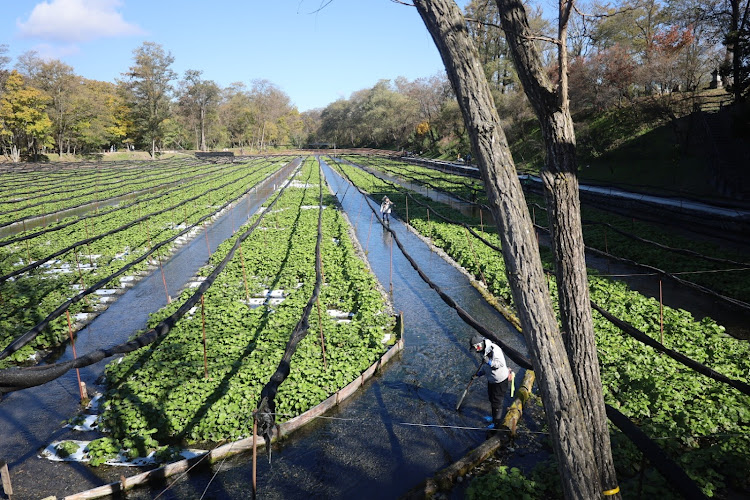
{"x":498,"y":376}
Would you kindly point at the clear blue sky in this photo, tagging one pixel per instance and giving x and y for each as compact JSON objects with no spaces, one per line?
{"x":315,"y":58}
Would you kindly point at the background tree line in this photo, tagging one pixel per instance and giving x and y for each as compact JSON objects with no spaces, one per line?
{"x":620,"y":53}
{"x":45,"y":107}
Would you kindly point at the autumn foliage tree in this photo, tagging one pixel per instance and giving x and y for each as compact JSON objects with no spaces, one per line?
{"x":25,"y":127}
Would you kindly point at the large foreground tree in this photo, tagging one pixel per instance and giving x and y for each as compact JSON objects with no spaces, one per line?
{"x":570,"y":426}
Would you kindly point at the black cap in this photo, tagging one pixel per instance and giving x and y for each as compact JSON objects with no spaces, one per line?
{"x":476,"y":339}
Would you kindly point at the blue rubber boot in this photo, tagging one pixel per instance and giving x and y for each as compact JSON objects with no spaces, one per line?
{"x":487,"y":418}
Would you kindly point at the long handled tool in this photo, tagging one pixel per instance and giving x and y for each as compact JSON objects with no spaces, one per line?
{"x":461,"y":399}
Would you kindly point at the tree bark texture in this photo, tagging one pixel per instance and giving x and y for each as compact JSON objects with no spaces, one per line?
{"x":570,"y":434}
{"x":559,"y":176}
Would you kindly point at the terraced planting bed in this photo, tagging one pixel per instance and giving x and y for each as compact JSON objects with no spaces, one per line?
{"x":183,"y":390}
{"x":75,"y":265}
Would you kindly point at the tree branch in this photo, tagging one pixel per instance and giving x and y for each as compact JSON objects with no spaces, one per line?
{"x":526,"y":37}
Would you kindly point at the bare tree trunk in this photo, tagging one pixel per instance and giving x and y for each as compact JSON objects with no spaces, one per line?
{"x":203,"y":129}
{"x":559,"y":176}
{"x":570,"y":436}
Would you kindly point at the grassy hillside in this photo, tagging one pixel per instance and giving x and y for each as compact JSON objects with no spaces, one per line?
{"x":653,"y":145}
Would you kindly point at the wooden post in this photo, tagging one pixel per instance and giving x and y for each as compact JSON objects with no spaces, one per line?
{"x":163,"y":278}
{"x":255,"y":454}
{"x":88,"y":245}
{"x":322,"y":338}
{"x":429,"y":225}
{"x":661,"y":312}
{"x":606,"y":246}
{"x":205,"y":354}
{"x":208,"y":247}
{"x":28,"y":252}
{"x":5,"y":475}
{"x":81,"y":390}
{"x":391,"y":277}
{"x":244,"y":275}
{"x":367,"y":244}
{"x":148,"y":232}
{"x":476,"y":258}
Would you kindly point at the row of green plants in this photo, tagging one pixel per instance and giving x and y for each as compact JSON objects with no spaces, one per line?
{"x":56,"y":182}
{"x":30,"y":297}
{"x":54,"y":198}
{"x":702,"y":424}
{"x":164,"y":396}
{"x":724,"y":278}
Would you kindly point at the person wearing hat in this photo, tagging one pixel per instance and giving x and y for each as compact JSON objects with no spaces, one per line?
{"x":385,"y":209}
{"x":498,"y":376}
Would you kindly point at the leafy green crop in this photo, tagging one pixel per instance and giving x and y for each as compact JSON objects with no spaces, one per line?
{"x":161,"y":391}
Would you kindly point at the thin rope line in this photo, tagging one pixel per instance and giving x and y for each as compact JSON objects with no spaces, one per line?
{"x":218,"y":469}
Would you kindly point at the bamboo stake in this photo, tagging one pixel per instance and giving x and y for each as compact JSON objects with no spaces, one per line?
{"x":661,"y":312}
{"x":322,"y":338}
{"x":255,"y":454}
{"x":476,"y":258}
{"x":164,"y":279}
{"x":73,"y":347}
{"x":88,"y":245}
{"x":5,"y":476}
{"x":361,"y":202}
{"x":391,"y":277}
{"x":429,"y":224}
{"x":80,"y":274}
{"x":367,"y":244}
{"x":208,"y":247}
{"x":244,"y":275}
{"x":28,"y":252}
{"x":205,"y":353}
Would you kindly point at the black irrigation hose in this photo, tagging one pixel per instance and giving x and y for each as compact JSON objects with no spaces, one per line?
{"x":645,"y":339}
{"x":665,"y":465}
{"x":14,"y":379}
{"x":50,"y":229}
{"x":28,"y":336}
{"x":266,"y":412}
{"x":79,"y":243}
{"x":668,"y":468}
